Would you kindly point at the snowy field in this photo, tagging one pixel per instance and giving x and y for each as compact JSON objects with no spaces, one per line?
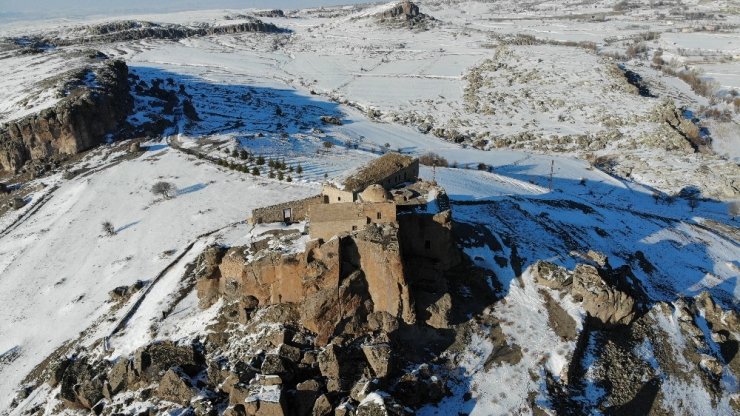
{"x":57,"y":267}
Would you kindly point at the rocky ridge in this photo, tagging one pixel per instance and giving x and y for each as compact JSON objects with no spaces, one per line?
{"x":131,"y":30}
{"x":95,"y":105}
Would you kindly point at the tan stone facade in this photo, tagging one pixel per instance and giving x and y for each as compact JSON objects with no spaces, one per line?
{"x":328,"y":220}
{"x":333,"y":195}
{"x":291,"y":211}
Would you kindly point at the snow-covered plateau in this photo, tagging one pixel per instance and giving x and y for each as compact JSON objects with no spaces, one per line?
{"x":590,"y":152}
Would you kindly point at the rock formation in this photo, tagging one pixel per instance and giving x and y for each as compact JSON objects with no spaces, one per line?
{"x":329,"y":280}
{"x":605,"y":294}
{"x":404,"y":14}
{"x":131,"y":30}
{"x":79,"y":122}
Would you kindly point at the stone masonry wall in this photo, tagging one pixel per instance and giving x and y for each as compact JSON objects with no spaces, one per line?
{"x":328,"y":220}
{"x":408,"y":174}
{"x":274,"y":213}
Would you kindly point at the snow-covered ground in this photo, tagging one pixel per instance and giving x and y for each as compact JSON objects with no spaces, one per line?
{"x":57,"y":267}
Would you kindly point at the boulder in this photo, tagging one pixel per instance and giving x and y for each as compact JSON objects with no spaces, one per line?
{"x":57,"y":371}
{"x":379,"y":356}
{"x":117,"y":378}
{"x":266,"y":401}
{"x":152,"y":361}
{"x":305,"y":396}
{"x":176,"y":387}
{"x":329,"y":366}
{"x":322,"y":407}
{"x":276,"y":365}
{"x":601,"y":300}
{"x":290,"y":353}
{"x":438,"y":312}
{"x":81,"y":384}
{"x":236,"y":410}
{"x":239,"y":394}
{"x":382,"y":321}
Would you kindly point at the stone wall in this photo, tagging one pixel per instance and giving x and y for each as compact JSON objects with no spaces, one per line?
{"x":429,"y":247}
{"x":336,"y":196}
{"x":328,"y":220}
{"x":408,"y":174}
{"x":78,"y":122}
{"x":274,"y":213}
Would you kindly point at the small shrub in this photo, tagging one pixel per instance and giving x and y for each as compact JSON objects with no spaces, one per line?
{"x":328,"y":144}
{"x":108,"y":228}
{"x":482,"y":166}
{"x":289,"y":179}
{"x":433,"y":159}
{"x":299,"y":169}
{"x":260,"y":160}
{"x":165,"y":190}
{"x":255,"y":171}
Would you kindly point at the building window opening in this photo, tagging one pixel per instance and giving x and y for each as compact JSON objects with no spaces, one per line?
{"x":354,"y":228}
{"x":326,"y":199}
{"x":427,"y":244}
{"x":339,"y":198}
{"x":379,"y":215}
{"x":369,"y":220}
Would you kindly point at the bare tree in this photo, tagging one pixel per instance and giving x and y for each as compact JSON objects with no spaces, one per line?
{"x":108,"y":228}
{"x":164,"y":189}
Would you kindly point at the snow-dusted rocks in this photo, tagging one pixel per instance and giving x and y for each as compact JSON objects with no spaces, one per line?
{"x":602,"y":300}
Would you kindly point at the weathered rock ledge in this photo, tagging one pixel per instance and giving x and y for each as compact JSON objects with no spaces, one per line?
{"x":78,"y":122}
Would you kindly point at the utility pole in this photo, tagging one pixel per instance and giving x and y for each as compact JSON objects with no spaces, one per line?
{"x":552,"y":170}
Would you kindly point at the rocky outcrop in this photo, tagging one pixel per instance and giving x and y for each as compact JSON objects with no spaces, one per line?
{"x":600,"y":299}
{"x":605,"y":294}
{"x":79,"y":122}
{"x":332,"y":281}
{"x":551,"y":275}
{"x":131,"y":30}
{"x":404,"y":13}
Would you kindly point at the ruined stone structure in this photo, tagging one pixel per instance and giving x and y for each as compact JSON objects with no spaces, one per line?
{"x":389,"y":171}
{"x":378,"y":223}
{"x":328,"y":220}
{"x":362,"y":198}
{"x":291,"y":211}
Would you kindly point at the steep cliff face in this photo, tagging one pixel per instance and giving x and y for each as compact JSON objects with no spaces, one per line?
{"x":80,"y":121}
{"x":331,"y":281}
